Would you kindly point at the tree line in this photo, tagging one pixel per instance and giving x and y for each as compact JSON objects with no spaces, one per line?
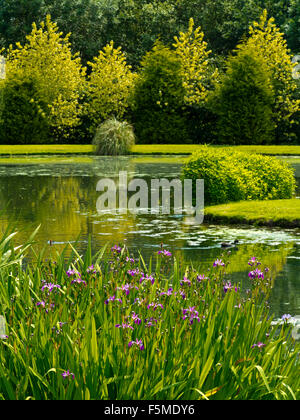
{"x":179,"y":92}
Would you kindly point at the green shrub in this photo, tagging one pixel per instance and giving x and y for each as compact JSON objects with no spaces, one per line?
{"x":158,"y":99}
{"x":243,"y":101}
{"x":21,"y":116}
{"x":114,"y":138}
{"x":236,"y":176}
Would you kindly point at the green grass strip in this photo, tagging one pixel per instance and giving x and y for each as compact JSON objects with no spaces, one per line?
{"x":158,"y":149}
{"x":281,"y":213}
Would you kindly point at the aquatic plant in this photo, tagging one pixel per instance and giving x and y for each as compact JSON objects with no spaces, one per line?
{"x":177,"y":334}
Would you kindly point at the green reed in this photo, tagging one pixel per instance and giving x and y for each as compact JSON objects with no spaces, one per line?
{"x":112,"y":327}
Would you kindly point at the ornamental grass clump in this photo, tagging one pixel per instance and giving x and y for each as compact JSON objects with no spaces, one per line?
{"x":114,"y":138}
{"x":235,"y":176}
{"x":184,"y":334}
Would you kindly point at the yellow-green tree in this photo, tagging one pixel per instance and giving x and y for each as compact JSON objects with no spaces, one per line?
{"x":109,"y":85}
{"x":197,"y":73}
{"x":58,"y":76}
{"x":268,"y":41}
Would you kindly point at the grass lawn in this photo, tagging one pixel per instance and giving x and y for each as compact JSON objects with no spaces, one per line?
{"x":186,"y":149}
{"x":281,"y":213}
{"x":45,"y":149}
{"x":139,"y":149}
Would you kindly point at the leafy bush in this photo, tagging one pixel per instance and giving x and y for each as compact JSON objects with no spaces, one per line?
{"x":243,"y":101}
{"x":114,"y":138}
{"x":22,"y":120}
{"x":158,"y":100}
{"x":235,"y":176}
{"x":109,"y":86}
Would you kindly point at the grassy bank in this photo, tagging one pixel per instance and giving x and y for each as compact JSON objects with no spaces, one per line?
{"x":110,"y":327}
{"x":45,"y":149}
{"x":281,"y":213}
{"x":183,"y":149}
{"x":158,"y":149}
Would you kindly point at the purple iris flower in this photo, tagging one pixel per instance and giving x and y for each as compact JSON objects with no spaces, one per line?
{"x":50,"y":287}
{"x":253,"y":261}
{"x":112,"y":299}
{"x":78,"y":281}
{"x":138,"y":343}
{"x":256,"y":274}
{"x":185,"y":281}
{"x":259,"y":345}
{"x":68,"y":374}
{"x":116,"y":249}
{"x":201,"y":277}
{"x":168,"y":293}
{"x":127,"y":287}
{"x":135,"y":318}
{"x":191,"y":314}
{"x":134,"y":272}
{"x":124,"y":326}
{"x":219,"y":263}
{"x":72,"y":273}
{"x":165,"y":253}
{"x":130,"y":260}
{"x":147,"y":278}
{"x":227,"y":287}
{"x":91,"y":269}
{"x":155,"y":306}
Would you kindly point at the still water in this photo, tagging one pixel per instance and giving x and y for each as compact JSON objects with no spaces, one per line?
{"x":59,"y":193}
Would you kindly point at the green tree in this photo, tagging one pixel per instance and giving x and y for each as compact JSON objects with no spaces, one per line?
{"x":194,"y":55}
{"x":224,"y":22}
{"x":158,"y":100}
{"x":87,"y":21}
{"x":243,"y":101}
{"x":21,"y":118}
{"x":136,"y":25}
{"x":267,"y":39}
{"x":58,"y":76}
{"x":16,"y":18}
{"x":292,"y":26}
{"x":109,"y":86}
{"x":199,"y":73}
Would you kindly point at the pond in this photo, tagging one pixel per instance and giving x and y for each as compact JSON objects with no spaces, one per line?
{"x":60,"y":194}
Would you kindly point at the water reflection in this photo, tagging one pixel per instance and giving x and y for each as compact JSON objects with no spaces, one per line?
{"x":60,"y":194}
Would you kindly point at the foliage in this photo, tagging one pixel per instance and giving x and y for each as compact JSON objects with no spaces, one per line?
{"x":86,"y":21}
{"x":21,"y":117}
{"x":16,"y":18}
{"x":192,"y":50}
{"x":111,"y":327}
{"x":224,"y":22}
{"x":136,"y":25}
{"x":235,"y":176}
{"x":114,"y":138}
{"x":158,"y":99}
{"x":266,"y":38}
{"x":243,"y":101}
{"x":292,"y":26}
{"x":57,"y":74}
{"x":109,"y":86}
